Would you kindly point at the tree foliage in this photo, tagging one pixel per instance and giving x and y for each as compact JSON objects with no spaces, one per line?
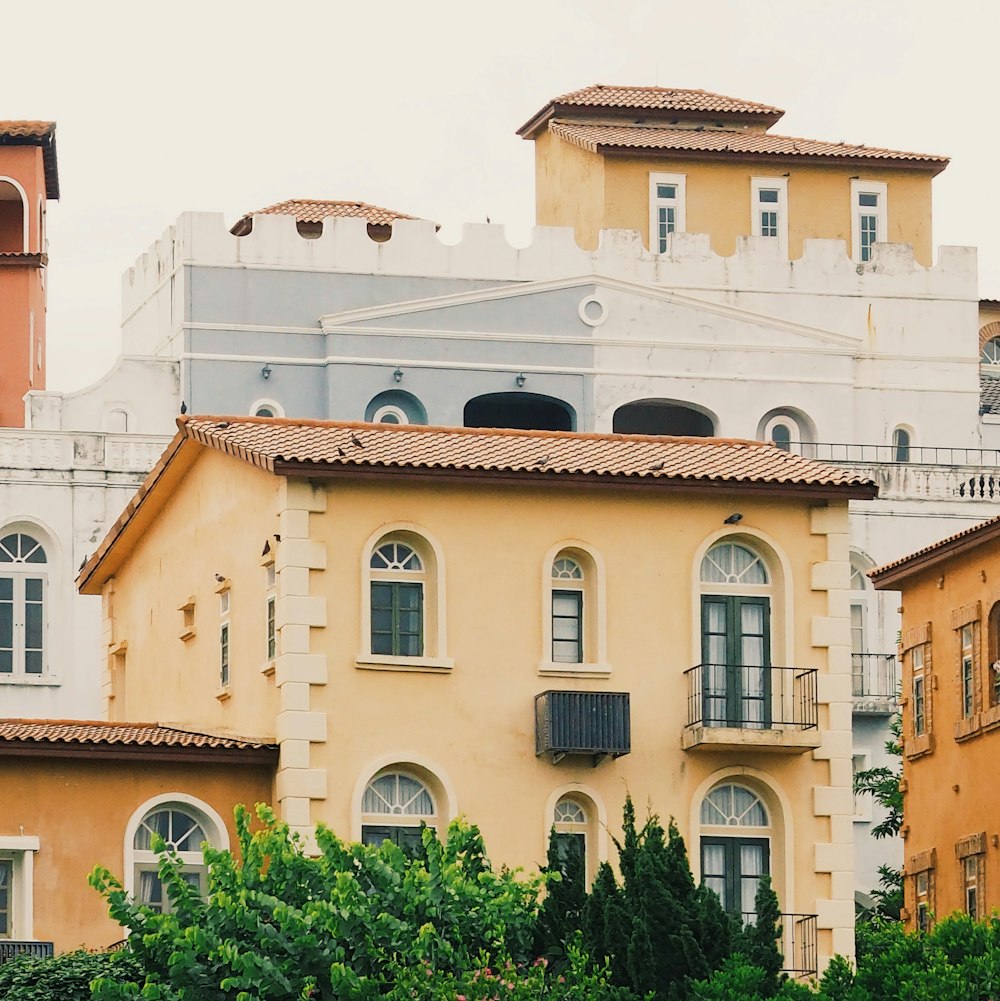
{"x":355,"y":922}
{"x":62,"y":978}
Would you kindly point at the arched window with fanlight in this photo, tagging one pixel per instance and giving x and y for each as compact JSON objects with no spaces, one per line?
{"x":395,"y":807}
{"x":398,"y":577}
{"x":735,"y":846}
{"x":735,"y":675}
{"x":23,"y":583}
{"x":568,"y":589}
{"x":185,"y":826}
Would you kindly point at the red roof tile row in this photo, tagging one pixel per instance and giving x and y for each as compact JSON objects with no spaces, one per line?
{"x":130,"y":734}
{"x":316,"y":210}
{"x":603,"y":138}
{"x":272,"y":442}
{"x":27,"y":133}
{"x":921,"y":556}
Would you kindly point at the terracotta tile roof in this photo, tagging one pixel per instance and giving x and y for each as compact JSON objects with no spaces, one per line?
{"x":35,"y":134}
{"x":131,"y":734}
{"x":892,"y":573}
{"x":611,"y":138}
{"x":276,"y":442}
{"x":316,"y":210}
{"x":662,"y":100}
{"x":326,"y":448}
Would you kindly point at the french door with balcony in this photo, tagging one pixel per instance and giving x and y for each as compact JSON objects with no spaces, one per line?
{"x":736,"y":660}
{"x":732,"y":868}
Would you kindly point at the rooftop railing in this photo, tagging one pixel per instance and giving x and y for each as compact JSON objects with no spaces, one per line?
{"x":918,"y":455}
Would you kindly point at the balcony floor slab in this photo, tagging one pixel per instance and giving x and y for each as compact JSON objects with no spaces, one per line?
{"x":731,"y":738}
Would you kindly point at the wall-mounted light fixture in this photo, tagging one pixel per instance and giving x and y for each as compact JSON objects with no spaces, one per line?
{"x":266,"y":371}
{"x":397,"y":376}
{"x":520,"y":379}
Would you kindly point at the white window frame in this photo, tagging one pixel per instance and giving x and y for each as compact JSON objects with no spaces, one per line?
{"x":390,"y":410}
{"x":270,"y":615}
{"x":859,"y":187}
{"x":20,"y":851}
{"x":276,"y":408}
{"x":678,"y":203}
{"x":18,"y":572}
{"x":780,"y":184}
{"x":225,"y":636}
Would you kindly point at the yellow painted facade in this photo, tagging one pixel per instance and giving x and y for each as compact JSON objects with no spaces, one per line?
{"x":591,"y":192}
{"x":460,"y":718}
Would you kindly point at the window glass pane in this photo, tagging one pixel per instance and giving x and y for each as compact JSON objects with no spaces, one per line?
{"x":6,"y":876}
{"x":570,"y":812}
{"x":729,"y":563}
{"x":666,"y":191}
{"x":781,"y":434}
{"x":397,"y":794}
{"x":868,"y":199}
{"x":768,"y":195}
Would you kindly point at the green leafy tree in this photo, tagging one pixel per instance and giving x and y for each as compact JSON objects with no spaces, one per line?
{"x":66,"y":977}
{"x":883,"y":785}
{"x":347,"y":924}
{"x":760,"y":939}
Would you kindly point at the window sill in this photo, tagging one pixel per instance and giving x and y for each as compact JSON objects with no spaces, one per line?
{"x":224,"y":694}
{"x":549,"y":669}
{"x":268,"y":668}
{"x":187,"y":634}
{"x":990,"y":718}
{"x":916,"y":747}
{"x":420,"y":665}
{"x":45,"y":681}
{"x":968,"y":727}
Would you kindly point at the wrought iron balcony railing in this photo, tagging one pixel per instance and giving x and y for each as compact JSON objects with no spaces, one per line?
{"x":9,"y":948}
{"x":798,"y":943}
{"x":918,"y":455}
{"x":875,"y":676}
{"x":751,"y":697}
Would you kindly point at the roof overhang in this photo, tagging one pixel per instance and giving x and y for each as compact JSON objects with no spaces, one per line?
{"x":46,"y":139}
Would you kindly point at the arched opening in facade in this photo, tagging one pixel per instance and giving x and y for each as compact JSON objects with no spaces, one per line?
{"x":525,"y":411}
{"x":396,"y":805}
{"x":13,"y":218}
{"x":663,"y":417}
{"x":788,"y":428}
{"x":395,"y":406}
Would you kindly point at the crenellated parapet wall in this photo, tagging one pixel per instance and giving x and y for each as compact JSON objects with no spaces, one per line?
{"x":484,"y":254}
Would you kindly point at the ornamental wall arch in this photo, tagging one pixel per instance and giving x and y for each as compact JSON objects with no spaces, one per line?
{"x":987,"y":333}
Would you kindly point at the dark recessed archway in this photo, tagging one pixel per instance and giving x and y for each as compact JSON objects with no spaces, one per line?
{"x":527,"y":411}
{"x":662,"y":417}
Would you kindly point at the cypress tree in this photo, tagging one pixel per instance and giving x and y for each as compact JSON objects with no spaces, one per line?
{"x":761,"y":939}
{"x":561,"y":913}
{"x":607,"y":925}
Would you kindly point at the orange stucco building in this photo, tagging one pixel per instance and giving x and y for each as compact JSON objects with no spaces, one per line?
{"x":950,"y":646}
{"x":82,"y":793}
{"x":29,"y":177}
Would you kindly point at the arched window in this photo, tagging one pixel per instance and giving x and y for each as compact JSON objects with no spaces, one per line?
{"x":397,"y":600}
{"x":395,"y":406}
{"x":735,"y":675}
{"x":573,"y":633}
{"x":267,"y":408}
{"x":390,"y":414}
{"x":394,"y":807}
{"x":990,"y":354}
{"x":901,"y":445}
{"x":787,"y":427}
{"x":184,"y":828}
{"x":23,"y":583}
{"x":569,"y":822}
{"x":735,"y":846}
{"x":993,"y":653}
{"x":781,"y":435}
{"x":567,"y":611}
{"x":663,"y":417}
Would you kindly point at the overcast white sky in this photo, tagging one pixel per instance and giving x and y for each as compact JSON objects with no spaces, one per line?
{"x":228,"y":106}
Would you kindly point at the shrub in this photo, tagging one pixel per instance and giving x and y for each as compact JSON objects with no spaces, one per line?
{"x":63,"y":978}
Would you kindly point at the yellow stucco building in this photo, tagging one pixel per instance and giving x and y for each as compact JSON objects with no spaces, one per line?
{"x":517,"y":626}
{"x":665,"y":161}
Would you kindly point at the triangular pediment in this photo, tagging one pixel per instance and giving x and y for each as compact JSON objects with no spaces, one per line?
{"x":594,"y":309}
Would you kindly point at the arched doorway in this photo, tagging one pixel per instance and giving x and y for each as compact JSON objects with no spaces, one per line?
{"x":13,"y":218}
{"x":525,"y":411}
{"x":662,"y":417}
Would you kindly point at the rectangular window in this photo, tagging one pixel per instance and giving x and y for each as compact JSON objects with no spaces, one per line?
{"x":224,"y":654}
{"x":271,"y":633}
{"x":666,"y":209}
{"x":970,"y":879}
{"x":968,"y":676}
{"x":6,"y":887}
{"x":769,"y":210}
{"x":868,"y":217}
{"x":923,"y":887}
{"x":397,"y":610}
{"x":919,"y":707}
{"x":567,"y":627}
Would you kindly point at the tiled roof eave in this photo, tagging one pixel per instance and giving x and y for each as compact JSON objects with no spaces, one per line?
{"x":119,"y":751}
{"x":845,"y":160}
{"x":851,"y":490}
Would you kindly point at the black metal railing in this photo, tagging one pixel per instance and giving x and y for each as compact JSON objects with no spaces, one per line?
{"x":750,"y":697}
{"x":596,"y":723}
{"x":874,"y":675}
{"x":10,"y":948}
{"x":798,"y":943}
{"x":920,"y":455}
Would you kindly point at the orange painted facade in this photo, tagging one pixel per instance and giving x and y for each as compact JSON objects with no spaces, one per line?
{"x":27,"y":181}
{"x":950,"y":643}
{"x":75,"y":808}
